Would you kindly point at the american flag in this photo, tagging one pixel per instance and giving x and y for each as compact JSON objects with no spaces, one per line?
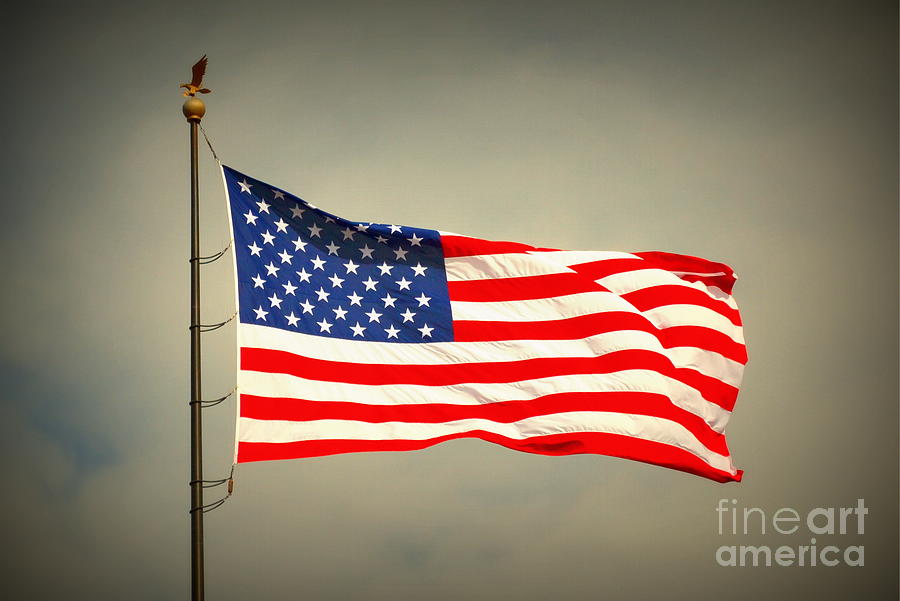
{"x":358,"y":336}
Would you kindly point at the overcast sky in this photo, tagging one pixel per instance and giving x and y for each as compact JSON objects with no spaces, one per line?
{"x":760,"y":134}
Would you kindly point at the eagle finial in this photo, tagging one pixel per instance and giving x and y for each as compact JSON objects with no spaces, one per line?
{"x":197,"y":72}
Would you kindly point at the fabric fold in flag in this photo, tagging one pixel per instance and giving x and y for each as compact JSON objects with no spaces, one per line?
{"x":361,"y":336}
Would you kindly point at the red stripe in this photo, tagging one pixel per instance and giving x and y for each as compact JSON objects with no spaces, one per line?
{"x":713,"y":390}
{"x":676,"y":263}
{"x":273,"y":361}
{"x":613,"y":445}
{"x":724,"y":283}
{"x":638,"y":403}
{"x":660,"y":296}
{"x":704,"y":338}
{"x":521,"y":288}
{"x":463,"y":246}
{"x":595,"y":270}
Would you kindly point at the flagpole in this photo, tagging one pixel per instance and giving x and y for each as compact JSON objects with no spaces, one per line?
{"x":193,"y":110}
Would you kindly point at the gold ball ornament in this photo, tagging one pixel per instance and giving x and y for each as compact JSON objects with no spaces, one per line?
{"x":193,"y":109}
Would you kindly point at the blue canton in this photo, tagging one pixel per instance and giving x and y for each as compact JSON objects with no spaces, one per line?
{"x":304,"y":270}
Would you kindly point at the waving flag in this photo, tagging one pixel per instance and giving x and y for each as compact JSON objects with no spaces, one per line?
{"x":357,"y":336}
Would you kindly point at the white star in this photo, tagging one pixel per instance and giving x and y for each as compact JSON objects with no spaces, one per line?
{"x":354,"y":299}
{"x":254,"y":249}
{"x":423,"y":300}
{"x":407,"y":315}
{"x":300,"y":244}
{"x":415,"y":240}
{"x":400,"y":254}
{"x":268,"y":238}
{"x":289,"y":288}
{"x":329,"y":219}
{"x":366,"y":252}
{"x":339,"y":313}
{"x":272,"y":269}
{"x":318,"y":263}
{"x":348,"y":233}
{"x":258,"y":281}
{"x":245,"y":187}
{"x":395,"y":229}
{"x":263,"y":206}
{"x":297,"y":212}
{"x":260,"y":313}
{"x":276,"y":302}
{"x":418,"y":269}
{"x":382,"y":239}
{"x":324,"y":326}
{"x":358,"y":329}
{"x":332,"y":248}
{"x":373,"y":315}
{"x":351,"y":267}
{"x":314,"y":231}
{"x":392,"y":332}
{"x":361,"y":227}
{"x":370,"y":284}
{"x":307,"y":307}
{"x":278,"y":194}
{"x":403,"y":283}
{"x":281,"y":225}
{"x":304,"y":277}
{"x":292,"y":319}
{"x":426,"y":331}
{"x":336,"y":281}
{"x":389,"y":301}
{"x":285,"y":257}
{"x":323,"y":296}
{"x":385,"y":268}
{"x":251,"y":218}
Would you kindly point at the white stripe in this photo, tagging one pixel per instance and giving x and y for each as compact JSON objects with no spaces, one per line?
{"x":635,"y":426}
{"x":540,"y":309}
{"x":670,"y":316}
{"x":701,"y":273}
{"x":715,"y":292}
{"x":439,"y":353}
{"x":577,"y":257}
{"x":708,"y":363}
{"x":510,"y":265}
{"x":234,"y":267}
{"x":681,"y":395}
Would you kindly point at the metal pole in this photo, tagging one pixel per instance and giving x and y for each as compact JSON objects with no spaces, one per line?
{"x":193,"y":110}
